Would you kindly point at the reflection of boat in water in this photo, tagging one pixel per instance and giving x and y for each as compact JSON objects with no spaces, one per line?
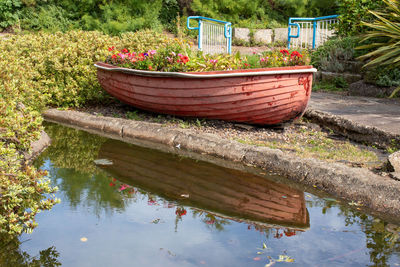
{"x":228,"y":192}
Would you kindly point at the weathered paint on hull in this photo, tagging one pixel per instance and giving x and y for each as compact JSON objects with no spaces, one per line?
{"x":260,"y":99}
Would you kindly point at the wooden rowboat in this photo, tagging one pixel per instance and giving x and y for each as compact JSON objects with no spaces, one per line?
{"x":266,"y":96}
{"x":229,"y":193}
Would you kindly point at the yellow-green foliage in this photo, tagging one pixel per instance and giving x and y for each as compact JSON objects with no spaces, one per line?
{"x":38,"y":70}
{"x":57,"y":68}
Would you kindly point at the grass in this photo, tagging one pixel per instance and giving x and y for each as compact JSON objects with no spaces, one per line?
{"x":329,"y":86}
{"x":317,"y":144}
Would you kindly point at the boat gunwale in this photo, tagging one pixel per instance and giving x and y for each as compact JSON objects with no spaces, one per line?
{"x":208,"y":75}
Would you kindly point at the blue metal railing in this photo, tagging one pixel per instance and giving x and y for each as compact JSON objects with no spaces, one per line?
{"x":314,"y":22}
{"x":227,"y":32}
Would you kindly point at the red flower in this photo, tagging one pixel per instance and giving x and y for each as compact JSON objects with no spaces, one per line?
{"x":182,"y":59}
{"x":296,"y":54}
{"x":285,"y":52}
{"x":111,"y":184}
{"x":180,"y":211}
{"x":114,"y":56}
{"x":111,"y":48}
{"x":289,"y":232}
{"x":150,"y":67}
{"x":124,"y":50}
{"x":185,"y":59}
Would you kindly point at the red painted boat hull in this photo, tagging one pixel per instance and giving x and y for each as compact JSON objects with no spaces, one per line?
{"x":259,"y":96}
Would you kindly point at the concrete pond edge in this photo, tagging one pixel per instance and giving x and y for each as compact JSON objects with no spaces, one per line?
{"x":353,"y":130}
{"x":360,"y":186}
{"x":37,"y":147}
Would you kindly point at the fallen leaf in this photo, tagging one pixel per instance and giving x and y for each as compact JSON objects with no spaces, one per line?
{"x":284,"y":258}
{"x":103,"y":162}
{"x":257,"y":258}
{"x":329,"y":199}
{"x":83,"y":239}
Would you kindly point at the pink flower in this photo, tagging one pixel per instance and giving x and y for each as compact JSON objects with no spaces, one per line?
{"x":152,"y":52}
{"x":122,"y":56}
{"x":213,"y":61}
{"x":123,"y":187}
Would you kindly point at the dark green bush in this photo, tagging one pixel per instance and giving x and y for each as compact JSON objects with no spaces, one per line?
{"x":114,"y":17}
{"x":333,"y":54}
{"x":353,"y":12}
{"x":9,"y":13}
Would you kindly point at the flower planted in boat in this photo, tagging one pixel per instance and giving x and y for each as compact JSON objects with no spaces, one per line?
{"x":174,"y":58}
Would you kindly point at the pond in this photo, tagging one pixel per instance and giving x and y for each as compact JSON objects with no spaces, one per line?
{"x":143,"y":207}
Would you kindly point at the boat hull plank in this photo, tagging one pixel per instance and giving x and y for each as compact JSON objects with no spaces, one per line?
{"x":258,"y":99}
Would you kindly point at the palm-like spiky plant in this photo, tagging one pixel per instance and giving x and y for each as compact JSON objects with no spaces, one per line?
{"x":385,"y":37}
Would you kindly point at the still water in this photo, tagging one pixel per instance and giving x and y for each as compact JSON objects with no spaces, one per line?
{"x":142,"y":207}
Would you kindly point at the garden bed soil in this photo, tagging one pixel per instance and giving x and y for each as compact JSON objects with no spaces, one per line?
{"x":228,"y":141}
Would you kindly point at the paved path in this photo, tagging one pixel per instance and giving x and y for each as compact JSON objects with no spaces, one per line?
{"x":381,"y":113}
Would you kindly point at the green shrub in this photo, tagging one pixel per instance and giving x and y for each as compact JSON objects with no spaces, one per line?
{"x":38,"y":70}
{"x":115,"y":17}
{"x":331,"y":55}
{"x":9,"y":10}
{"x":50,"y":18}
{"x":23,"y":189}
{"x":352,"y":12}
{"x":384,"y":38}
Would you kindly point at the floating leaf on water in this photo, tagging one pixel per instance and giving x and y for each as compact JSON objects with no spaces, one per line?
{"x":259,"y":252}
{"x":264,"y":246}
{"x":309,"y":196}
{"x":83,"y":239}
{"x":185,"y":195}
{"x":284,"y":258}
{"x":330,"y":199}
{"x":156,"y":221}
{"x":103,"y":162}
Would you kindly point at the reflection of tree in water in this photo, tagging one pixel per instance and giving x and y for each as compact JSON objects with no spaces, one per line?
{"x":11,"y":255}
{"x":89,"y":190}
{"x":73,"y":149}
{"x":382,"y":238}
{"x":72,"y":154}
{"x":211,"y":220}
